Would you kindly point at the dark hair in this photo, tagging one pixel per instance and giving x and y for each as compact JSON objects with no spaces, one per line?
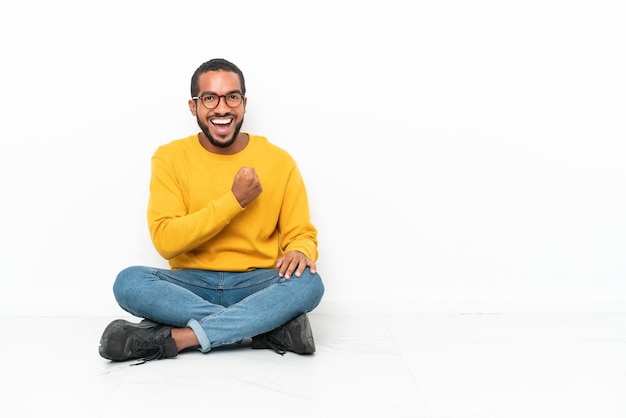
{"x":216,"y":64}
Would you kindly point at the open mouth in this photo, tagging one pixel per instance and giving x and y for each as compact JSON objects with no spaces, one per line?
{"x":222,"y":125}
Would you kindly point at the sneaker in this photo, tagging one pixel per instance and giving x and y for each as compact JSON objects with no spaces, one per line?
{"x":295,"y":335}
{"x":123,"y":340}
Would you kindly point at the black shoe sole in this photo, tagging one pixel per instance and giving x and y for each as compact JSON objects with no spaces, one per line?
{"x":306,"y":335}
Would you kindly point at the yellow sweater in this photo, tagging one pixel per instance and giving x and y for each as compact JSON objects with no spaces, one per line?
{"x":196,"y":222}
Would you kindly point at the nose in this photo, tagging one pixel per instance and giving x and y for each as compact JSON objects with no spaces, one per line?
{"x":221,"y":105}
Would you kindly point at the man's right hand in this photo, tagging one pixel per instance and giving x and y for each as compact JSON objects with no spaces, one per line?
{"x":246,"y":186}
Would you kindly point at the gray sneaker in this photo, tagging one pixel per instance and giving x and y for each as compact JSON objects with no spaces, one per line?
{"x":123,"y":340}
{"x":295,"y":335}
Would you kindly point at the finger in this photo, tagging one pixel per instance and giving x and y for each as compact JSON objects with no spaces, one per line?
{"x":282,"y":266}
{"x":289,"y":270}
{"x":294,"y":266}
{"x":301,"y":266}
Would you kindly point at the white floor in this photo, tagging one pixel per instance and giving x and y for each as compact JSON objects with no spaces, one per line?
{"x":388,"y":366}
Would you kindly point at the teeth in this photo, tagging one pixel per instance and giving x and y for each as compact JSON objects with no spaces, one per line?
{"x":221,"y":121}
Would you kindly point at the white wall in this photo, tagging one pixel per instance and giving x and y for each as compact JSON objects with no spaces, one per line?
{"x":460,"y":156}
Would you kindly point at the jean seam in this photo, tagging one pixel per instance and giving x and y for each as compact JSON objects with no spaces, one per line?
{"x":162,"y":275}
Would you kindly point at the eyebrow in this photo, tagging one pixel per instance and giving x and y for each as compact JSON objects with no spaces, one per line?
{"x":204,"y":93}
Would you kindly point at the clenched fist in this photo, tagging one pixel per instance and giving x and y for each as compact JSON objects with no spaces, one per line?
{"x":246,"y":186}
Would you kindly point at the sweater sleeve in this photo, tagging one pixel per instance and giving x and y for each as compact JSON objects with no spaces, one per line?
{"x":296,"y":230}
{"x":173,"y":229}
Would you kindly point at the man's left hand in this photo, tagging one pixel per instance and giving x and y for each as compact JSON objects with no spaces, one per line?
{"x":294,"y":261}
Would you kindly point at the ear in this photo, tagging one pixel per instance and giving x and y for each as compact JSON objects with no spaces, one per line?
{"x":193,"y":107}
{"x":245,"y":102}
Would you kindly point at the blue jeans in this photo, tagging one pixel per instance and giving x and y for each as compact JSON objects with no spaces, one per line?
{"x":220,"y":307}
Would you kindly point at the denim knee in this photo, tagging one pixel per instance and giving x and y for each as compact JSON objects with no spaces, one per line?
{"x":315,"y":288}
{"x":126,"y":283}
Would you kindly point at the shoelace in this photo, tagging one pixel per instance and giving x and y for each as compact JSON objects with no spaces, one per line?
{"x":276,"y":346}
{"x":147,"y":346}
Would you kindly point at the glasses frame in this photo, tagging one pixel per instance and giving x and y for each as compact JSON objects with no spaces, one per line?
{"x":219,"y":99}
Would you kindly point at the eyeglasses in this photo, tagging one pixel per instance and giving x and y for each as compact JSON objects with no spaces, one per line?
{"x":211,"y":101}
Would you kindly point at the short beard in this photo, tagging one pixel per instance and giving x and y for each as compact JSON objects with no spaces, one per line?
{"x":205,"y":130}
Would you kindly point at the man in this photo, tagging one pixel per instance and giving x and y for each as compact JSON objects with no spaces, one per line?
{"x":229,"y":210}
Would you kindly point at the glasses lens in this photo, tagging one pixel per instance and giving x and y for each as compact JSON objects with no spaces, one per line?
{"x":233,"y":99}
{"x":210,"y":101}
